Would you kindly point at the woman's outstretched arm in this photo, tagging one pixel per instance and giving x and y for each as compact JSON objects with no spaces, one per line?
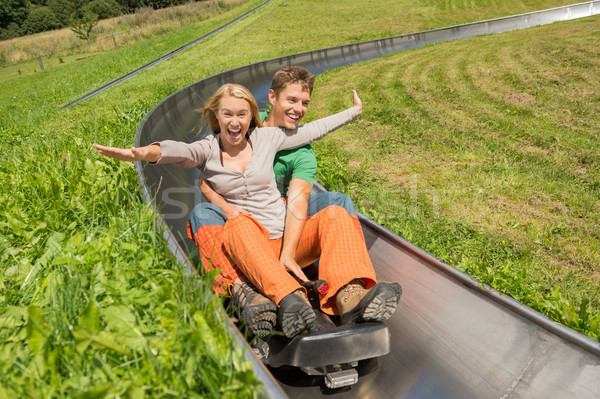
{"x":186,"y":155}
{"x":149,"y":153}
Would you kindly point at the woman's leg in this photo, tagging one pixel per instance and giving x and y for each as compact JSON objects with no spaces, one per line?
{"x":247,"y":242}
{"x":205,"y":228}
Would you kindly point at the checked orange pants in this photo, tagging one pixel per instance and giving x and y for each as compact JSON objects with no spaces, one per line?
{"x":331,"y":235}
{"x":213,"y":256}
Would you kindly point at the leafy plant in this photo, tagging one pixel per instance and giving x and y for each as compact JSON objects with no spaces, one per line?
{"x":82,"y":27}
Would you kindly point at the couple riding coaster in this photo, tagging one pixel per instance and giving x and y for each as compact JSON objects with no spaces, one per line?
{"x":246,"y":246}
{"x":293,"y":334}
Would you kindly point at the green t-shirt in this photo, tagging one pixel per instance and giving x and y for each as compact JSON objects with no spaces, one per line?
{"x":299,"y":163}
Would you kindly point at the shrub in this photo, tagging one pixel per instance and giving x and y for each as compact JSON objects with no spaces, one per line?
{"x":82,"y":27}
{"x":40,"y":19}
{"x":104,"y":8}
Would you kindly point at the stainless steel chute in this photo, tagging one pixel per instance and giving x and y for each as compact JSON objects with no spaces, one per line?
{"x":451,"y":338}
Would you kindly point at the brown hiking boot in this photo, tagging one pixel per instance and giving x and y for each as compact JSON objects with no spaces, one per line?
{"x":257,"y":312}
{"x":356,"y":304}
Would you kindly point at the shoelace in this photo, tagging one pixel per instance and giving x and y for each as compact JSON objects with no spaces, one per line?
{"x":245,"y":295}
{"x":352,"y":290}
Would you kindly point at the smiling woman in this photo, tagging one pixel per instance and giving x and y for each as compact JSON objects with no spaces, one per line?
{"x":233,"y":110}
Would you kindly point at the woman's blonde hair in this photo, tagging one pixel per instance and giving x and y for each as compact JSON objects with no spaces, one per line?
{"x":209,"y":111}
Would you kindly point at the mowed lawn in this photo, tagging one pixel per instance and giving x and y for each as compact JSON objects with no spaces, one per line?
{"x":486,"y":153}
{"x":487,"y":148}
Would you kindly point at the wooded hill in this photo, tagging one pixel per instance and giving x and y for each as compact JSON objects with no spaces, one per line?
{"x":24,"y":17}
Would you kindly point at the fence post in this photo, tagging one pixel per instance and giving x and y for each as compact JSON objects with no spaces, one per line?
{"x":114,"y":41}
{"x":40,"y":61}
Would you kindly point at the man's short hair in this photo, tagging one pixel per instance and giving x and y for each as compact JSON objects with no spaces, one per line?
{"x":290,"y":75}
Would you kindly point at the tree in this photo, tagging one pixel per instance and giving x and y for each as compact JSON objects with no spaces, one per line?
{"x":40,"y":19}
{"x":156,"y":4}
{"x":129,"y":6}
{"x":62,"y":9}
{"x":83,"y":27}
{"x":12,"y":30}
{"x":104,"y":8}
{"x":13,"y":11}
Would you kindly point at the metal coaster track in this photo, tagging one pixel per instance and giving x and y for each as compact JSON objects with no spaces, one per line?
{"x":160,"y":59}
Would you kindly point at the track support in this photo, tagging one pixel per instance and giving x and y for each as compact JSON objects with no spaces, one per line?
{"x":335,"y":376}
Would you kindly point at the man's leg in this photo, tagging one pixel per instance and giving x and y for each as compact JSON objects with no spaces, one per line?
{"x":319,"y":201}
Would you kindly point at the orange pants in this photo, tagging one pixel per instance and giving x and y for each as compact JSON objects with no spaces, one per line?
{"x":331,"y":235}
{"x":213,"y":256}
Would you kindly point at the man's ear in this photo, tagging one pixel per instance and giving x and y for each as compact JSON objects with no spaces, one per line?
{"x":272,"y":96}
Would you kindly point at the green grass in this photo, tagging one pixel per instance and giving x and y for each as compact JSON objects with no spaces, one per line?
{"x":91,"y":302}
{"x":488,"y":151}
{"x":60,"y":47}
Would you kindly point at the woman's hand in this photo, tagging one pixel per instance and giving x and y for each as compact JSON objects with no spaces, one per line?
{"x":232,"y":211}
{"x":149,"y":153}
{"x":290,"y":264}
{"x":357,"y":103}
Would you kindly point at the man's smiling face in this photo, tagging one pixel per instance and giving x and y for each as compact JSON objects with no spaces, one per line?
{"x":289,"y":107}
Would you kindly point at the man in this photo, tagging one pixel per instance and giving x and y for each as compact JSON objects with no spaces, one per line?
{"x":294,"y":170}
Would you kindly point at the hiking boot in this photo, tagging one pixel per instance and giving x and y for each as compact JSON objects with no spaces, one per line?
{"x":357,"y":304}
{"x":295,"y":314}
{"x":257,"y":312}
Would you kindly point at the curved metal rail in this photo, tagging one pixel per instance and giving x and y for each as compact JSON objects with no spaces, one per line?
{"x":451,"y":337}
{"x":160,"y":59}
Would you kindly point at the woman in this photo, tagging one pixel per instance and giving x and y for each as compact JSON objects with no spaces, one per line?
{"x":237,"y":160}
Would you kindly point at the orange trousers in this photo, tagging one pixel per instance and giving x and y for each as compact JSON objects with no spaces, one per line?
{"x":213,"y":256}
{"x":331,"y":235}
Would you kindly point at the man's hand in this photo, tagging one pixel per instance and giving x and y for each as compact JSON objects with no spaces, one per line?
{"x":150,"y":153}
{"x":357,"y":103}
{"x":232,"y":211}
{"x":229,"y":211}
{"x":291,"y":266}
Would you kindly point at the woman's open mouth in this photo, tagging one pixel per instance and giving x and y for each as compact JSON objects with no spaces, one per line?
{"x":234,"y":134}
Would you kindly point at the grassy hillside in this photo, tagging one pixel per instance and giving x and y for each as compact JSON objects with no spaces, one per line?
{"x":62,"y":45}
{"x":485,"y":153}
{"x":91,"y":303}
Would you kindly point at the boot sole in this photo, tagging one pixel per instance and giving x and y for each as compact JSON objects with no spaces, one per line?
{"x":382,"y":306}
{"x":378,"y":305}
{"x":262,"y":328}
{"x":295,"y":316}
{"x":260,"y":319}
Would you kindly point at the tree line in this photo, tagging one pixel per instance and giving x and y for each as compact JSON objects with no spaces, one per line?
{"x":25,"y":17}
